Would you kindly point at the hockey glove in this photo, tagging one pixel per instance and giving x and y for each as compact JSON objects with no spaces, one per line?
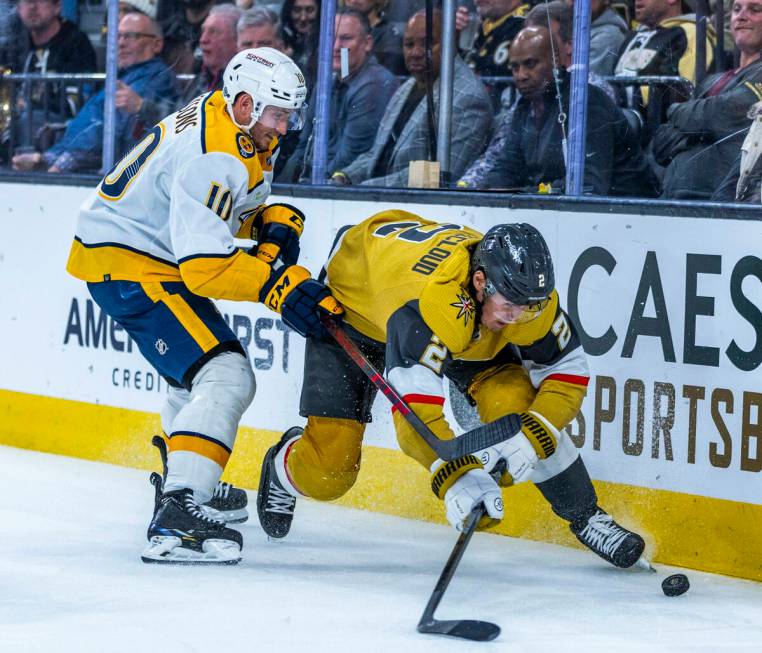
{"x":300,"y":300}
{"x":537,"y":440}
{"x":463,"y":484}
{"x":277,"y":229}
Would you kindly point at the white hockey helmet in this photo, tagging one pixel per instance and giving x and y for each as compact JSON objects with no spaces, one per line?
{"x":271,"y":78}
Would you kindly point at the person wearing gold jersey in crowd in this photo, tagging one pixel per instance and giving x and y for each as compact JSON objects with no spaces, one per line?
{"x":427,"y":301}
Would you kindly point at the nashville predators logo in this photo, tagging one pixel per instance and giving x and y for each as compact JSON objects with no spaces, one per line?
{"x":465,"y":306}
{"x":245,"y":146}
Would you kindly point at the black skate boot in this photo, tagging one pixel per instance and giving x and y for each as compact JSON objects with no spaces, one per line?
{"x":601,"y":534}
{"x":181,"y":533}
{"x":275,"y":506}
{"x":228,"y":503}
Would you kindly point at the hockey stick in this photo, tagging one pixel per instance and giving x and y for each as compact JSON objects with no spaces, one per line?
{"x":476,"y":439}
{"x":478,"y":631}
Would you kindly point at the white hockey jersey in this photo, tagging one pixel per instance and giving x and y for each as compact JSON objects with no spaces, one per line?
{"x":169,"y":210}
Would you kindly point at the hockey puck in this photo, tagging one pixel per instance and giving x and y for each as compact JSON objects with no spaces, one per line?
{"x":675,"y":585}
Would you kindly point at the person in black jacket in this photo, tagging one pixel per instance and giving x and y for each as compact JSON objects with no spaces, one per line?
{"x":533,"y":155}
{"x":50,"y":44}
{"x":358,"y":101}
{"x":701,"y":141}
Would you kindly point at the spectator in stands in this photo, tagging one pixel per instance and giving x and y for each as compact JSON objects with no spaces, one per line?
{"x":147,"y":7}
{"x":561,"y":24}
{"x":702,"y":137}
{"x":663,"y":44}
{"x":300,"y":20}
{"x":141,"y":71}
{"x":403,"y":134}
{"x":744,"y":181}
{"x":359,"y":97}
{"x":387,"y":37}
{"x":614,"y":162}
{"x":501,"y":21}
{"x":182,"y":22}
{"x":49,"y":44}
{"x":219,"y":41}
{"x":259,"y":27}
{"x":607,"y":32}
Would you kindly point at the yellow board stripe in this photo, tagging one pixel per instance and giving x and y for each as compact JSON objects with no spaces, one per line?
{"x":199,"y":445}
{"x":680,"y":529}
{"x":191,"y":322}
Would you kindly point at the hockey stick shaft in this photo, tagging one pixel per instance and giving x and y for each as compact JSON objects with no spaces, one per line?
{"x":479,"y":438}
{"x":452,"y":564}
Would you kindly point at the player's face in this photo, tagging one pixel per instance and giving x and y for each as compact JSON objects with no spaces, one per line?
{"x":498,"y":313}
{"x":274,"y":122}
{"x":746,"y":25}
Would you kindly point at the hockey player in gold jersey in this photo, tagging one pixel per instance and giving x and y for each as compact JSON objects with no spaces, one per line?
{"x":155,"y":241}
{"x":428,"y":301}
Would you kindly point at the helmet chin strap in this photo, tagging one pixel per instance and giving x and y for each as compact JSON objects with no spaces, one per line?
{"x":244,"y":128}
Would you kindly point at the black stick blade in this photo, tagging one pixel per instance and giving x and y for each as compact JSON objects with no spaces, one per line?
{"x":476,"y":631}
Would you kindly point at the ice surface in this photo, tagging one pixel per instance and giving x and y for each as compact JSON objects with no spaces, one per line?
{"x":71,"y":579}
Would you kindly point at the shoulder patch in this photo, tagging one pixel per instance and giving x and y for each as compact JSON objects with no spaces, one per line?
{"x":465,"y":306}
{"x":245,"y":146}
{"x":449,"y":312}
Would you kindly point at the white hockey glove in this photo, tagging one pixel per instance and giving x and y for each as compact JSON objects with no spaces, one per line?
{"x":463,"y":485}
{"x":537,"y":440}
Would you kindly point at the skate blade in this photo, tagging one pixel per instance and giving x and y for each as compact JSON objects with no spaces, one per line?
{"x":645,"y":564}
{"x":227,"y":516}
{"x":163,"y":549}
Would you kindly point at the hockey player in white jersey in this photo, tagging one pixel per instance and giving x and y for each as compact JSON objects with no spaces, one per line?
{"x":155,"y":241}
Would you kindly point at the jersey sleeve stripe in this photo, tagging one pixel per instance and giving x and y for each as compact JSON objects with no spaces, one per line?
{"x":569,"y":378}
{"x":421,"y":399}
{"x":219,"y":256}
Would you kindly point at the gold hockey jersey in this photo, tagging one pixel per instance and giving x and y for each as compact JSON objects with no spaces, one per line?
{"x":405,"y":281}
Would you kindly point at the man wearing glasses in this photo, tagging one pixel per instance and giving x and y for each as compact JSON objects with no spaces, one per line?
{"x":141,"y":73}
{"x":428,"y":301}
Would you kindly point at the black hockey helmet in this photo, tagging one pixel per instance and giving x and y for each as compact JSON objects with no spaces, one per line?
{"x":517,"y":263}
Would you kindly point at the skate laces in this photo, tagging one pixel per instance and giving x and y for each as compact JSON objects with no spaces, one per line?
{"x":603,"y":533}
{"x":221,"y":490}
{"x":278,"y":500}
{"x":194,"y":510}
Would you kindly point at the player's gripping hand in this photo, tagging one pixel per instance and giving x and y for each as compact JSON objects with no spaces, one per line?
{"x":300,"y":300}
{"x":463,"y":484}
{"x":537,"y":440}
{"x":277,"y":229}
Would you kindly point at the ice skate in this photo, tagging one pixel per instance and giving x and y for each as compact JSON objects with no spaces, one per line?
{"x":228,"y":503}
{"x":275,"y":506}
{"x":602,"y":535}
{"x":182,"y":533}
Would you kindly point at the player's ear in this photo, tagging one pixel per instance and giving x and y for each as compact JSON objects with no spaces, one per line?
{"x":479,"y":281}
